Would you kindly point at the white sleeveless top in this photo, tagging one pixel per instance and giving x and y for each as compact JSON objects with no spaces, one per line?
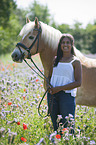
{"x":63,"y":74}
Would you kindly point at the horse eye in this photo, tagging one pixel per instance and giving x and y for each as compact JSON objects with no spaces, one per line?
{"x":31,"y":37}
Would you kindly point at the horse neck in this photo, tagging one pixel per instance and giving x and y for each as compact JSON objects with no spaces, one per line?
{"x":47,"y":54}
{"x":49,"y":43}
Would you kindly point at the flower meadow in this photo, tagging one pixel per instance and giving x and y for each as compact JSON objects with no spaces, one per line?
{"x":20,"y":124}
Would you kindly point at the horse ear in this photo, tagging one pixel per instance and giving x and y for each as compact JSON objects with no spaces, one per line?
{"x":27,"y":20}
{"x":36,"y":22}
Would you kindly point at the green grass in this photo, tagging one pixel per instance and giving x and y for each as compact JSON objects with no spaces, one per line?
{"x":20,"y":86}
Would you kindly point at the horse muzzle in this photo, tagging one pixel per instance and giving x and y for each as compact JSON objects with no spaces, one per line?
{"x":17,"y":56}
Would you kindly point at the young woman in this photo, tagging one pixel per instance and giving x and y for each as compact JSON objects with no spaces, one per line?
{"x":66,"y":77}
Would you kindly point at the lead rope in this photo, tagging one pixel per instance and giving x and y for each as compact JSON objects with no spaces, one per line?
{"x":46,"y":79}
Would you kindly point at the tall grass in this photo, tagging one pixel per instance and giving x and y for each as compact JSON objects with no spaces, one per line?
{"x":20,"y":94}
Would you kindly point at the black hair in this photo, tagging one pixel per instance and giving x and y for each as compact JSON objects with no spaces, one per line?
{"x":59,"y":50}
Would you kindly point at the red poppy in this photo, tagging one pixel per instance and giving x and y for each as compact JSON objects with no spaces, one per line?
{"x":65,"y":129}
{"x":24,"y":90}
{"x":37,"y":80}
{"x":23,"y":139}
{"x":9,"y":103}
{"x":24,"y":126}
{"x":58,"y":136}
{"x":18,"y":123}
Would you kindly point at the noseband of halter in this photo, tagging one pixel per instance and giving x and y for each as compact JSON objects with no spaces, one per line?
{"x":28,"y":49}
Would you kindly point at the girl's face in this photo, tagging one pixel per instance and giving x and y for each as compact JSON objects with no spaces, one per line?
{"x":66,"y":45}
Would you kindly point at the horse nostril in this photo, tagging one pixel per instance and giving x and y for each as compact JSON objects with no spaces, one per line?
{"x":14,"y":56}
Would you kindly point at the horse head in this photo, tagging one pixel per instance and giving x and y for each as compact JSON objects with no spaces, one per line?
{"x":29,"y":44}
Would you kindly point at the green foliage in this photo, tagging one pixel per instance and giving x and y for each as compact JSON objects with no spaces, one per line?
{"x":39,"y":11}
{"x":9,"y":34}
{"x":64,"y":28}
{"x":12,"y":19}
{"x":6,"y":8}
{"x":92,"y":36}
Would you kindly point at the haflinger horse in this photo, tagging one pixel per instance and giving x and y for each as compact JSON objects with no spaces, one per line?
{"x":41,"y":38}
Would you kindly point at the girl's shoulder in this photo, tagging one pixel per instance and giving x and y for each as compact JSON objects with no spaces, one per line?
{"x":75,"y":61}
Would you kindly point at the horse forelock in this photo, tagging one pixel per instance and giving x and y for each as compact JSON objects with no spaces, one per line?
{"x":50,"y":35}
{"x":26,"y":29}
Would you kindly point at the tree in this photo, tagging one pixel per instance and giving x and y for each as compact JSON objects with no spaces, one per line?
{"x":8,"y":35}
{"x":92,"y":37}
{"x":6,"y":7}
{"x":64,"y":28}
{"x":39,"y":11}
{"x":79,"y":35}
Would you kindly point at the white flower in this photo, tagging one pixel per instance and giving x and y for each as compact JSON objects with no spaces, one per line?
{"x":70,"y":115}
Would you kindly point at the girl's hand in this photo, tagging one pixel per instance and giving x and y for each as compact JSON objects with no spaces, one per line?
{"x":54,"y":90}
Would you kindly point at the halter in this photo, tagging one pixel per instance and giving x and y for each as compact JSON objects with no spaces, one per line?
{"x":29,"y":57}
{"x":29,"y":49}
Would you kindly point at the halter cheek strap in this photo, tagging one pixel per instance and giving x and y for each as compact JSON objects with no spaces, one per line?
{"x":28,"y":49}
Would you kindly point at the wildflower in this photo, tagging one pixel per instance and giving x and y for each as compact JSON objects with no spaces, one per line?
{"x":58,"y":136}
{"x":5,"y":105}
{"x":37,"y":80}
{"x":18,"y":123}
{"x":41,"y":85}
{"x":24,"y":97}
{"x":3,"y":69}
{"x":59,"y":118}
{"x":9,"y":103}
{"x":13,"y":64}
{"x":65,"y":129}
{"x":24,"y":126}
{"x":23,"y":139}
{"x":92,"y":142}
{"x":38,"y":96}
{"x":24,"y":90}
{"x":53,"y":134}
{"x":70,"y":115}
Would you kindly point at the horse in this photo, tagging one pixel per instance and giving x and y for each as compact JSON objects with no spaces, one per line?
{"x":38,"y":37}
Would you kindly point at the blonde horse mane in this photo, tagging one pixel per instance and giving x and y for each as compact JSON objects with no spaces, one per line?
{"x":88,"y":62}
{"x":49,"y":34}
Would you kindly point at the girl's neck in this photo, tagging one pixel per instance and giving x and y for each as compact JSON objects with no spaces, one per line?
{"x":66,"y":58}
{"x":67,"y":55}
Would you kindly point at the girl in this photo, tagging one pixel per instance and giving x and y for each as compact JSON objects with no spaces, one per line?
{"x":65,"y":79}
